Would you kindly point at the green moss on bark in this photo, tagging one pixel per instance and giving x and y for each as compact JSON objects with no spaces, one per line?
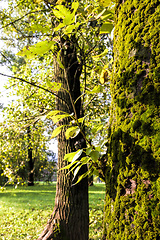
{"x":132,"y":209}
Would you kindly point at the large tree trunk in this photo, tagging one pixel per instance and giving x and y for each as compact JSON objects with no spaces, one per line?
{"x":70,"y":218}
{"x":132,"y":209}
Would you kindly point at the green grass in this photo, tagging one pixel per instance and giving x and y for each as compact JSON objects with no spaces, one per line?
{"x":24,"y":211}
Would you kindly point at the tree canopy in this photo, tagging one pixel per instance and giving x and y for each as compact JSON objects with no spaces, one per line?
{"x":37,"y":31}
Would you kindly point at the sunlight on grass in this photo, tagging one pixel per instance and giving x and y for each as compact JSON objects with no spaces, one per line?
{"x":24,"y":211}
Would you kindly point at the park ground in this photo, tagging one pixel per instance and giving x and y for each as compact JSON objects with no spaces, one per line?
{"x":24,"y":210}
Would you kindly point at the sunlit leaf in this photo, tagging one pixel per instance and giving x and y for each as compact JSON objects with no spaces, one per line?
{"x":69,"y":166}
{"x":37,"y":49}
{"x":106,"y":28}
{"x":38,"y":1}
{"x":57,"y":118}
{"x":95,"y":172}
{"x":56,"y":131}
{"x":61,"y":25}
{"x":85,"y":160}
{"x":100,"y":14}
{"x":72,"y":132}
{"x":76,"y":171}
{"x":71,"y":157}
{"x":104,"y":76}
{"x":70,"y":28}
{"x":75,"y":6}
{"x":58,"y":14}
{"x":69,"y":19}
{"x":39,"y":28}
{"x":83,"y":176}
{"x":105,"y":3}
{"x":63,"y":10}
{"x":53,"y":113}
{"x":98,"y":57}
{"x":96,"y":89}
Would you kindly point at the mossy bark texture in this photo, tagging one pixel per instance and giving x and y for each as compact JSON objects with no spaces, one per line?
{"x":132,"y":209}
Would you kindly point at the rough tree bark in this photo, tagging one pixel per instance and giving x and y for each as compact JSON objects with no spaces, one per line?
{"x":132,"y":209}
{"x":70,"y":218}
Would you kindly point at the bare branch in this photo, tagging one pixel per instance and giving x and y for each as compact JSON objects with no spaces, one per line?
{"x":18,"y":19}
{"x":35,"y":85}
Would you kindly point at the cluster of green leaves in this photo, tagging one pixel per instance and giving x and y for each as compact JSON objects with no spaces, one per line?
{"x":37,"y":28}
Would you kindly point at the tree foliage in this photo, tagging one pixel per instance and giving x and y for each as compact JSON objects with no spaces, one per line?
{"x":42,"y":29}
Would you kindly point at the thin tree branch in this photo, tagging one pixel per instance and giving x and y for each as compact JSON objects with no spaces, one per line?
{"x":25,"y":36}
{"x":35,"y":85}
{"x":16,"y":20}
{"x":5,"y":57}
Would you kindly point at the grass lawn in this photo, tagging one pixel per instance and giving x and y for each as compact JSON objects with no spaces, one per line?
{"x":24,"y":211}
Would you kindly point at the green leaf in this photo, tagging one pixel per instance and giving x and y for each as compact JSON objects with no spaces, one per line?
{"x":69,"y":166}
{"x":69,"y":19}
{"x":100,"y":14}
{"x":76,"y":171}
{"x":64,"y":14}
{"x":63,"y":10}
{"x":39,"y":28}
{"x":96,"y":89}
{"x":61,"y":25}
{"x":77,"y":155}
{"x":81,"y":120}
{"x":88,"y":150}
{"x":83,"y":176}
{"x":98,"y":57}
{"x":94,"y":155}
{"x":106,"y":28}
{"x":56,"y":131}
{"x":70,"y":28}
{"x":85,"y":160}
{"x":71,"y":157}
{"x":37,"y":49}
{"x":53,"y":113}
{"x":104,"y":3}
{"x":72,"y":132}
{"x":58,"y":14}
{"x":75,"y":6}
{"x":57,"y":118}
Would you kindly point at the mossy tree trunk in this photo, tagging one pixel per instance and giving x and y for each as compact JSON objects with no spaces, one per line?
{"x":70,"y":218}
{"x":132,"y":209}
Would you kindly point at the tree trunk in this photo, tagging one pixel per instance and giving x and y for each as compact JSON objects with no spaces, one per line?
{"x":132,"y":209}
{"x":30,"y":159}
{"x":70,"y":218}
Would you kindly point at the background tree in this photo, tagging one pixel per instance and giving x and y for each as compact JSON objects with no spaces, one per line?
{"x":133,"y":165}
{"x":15,"y":144}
